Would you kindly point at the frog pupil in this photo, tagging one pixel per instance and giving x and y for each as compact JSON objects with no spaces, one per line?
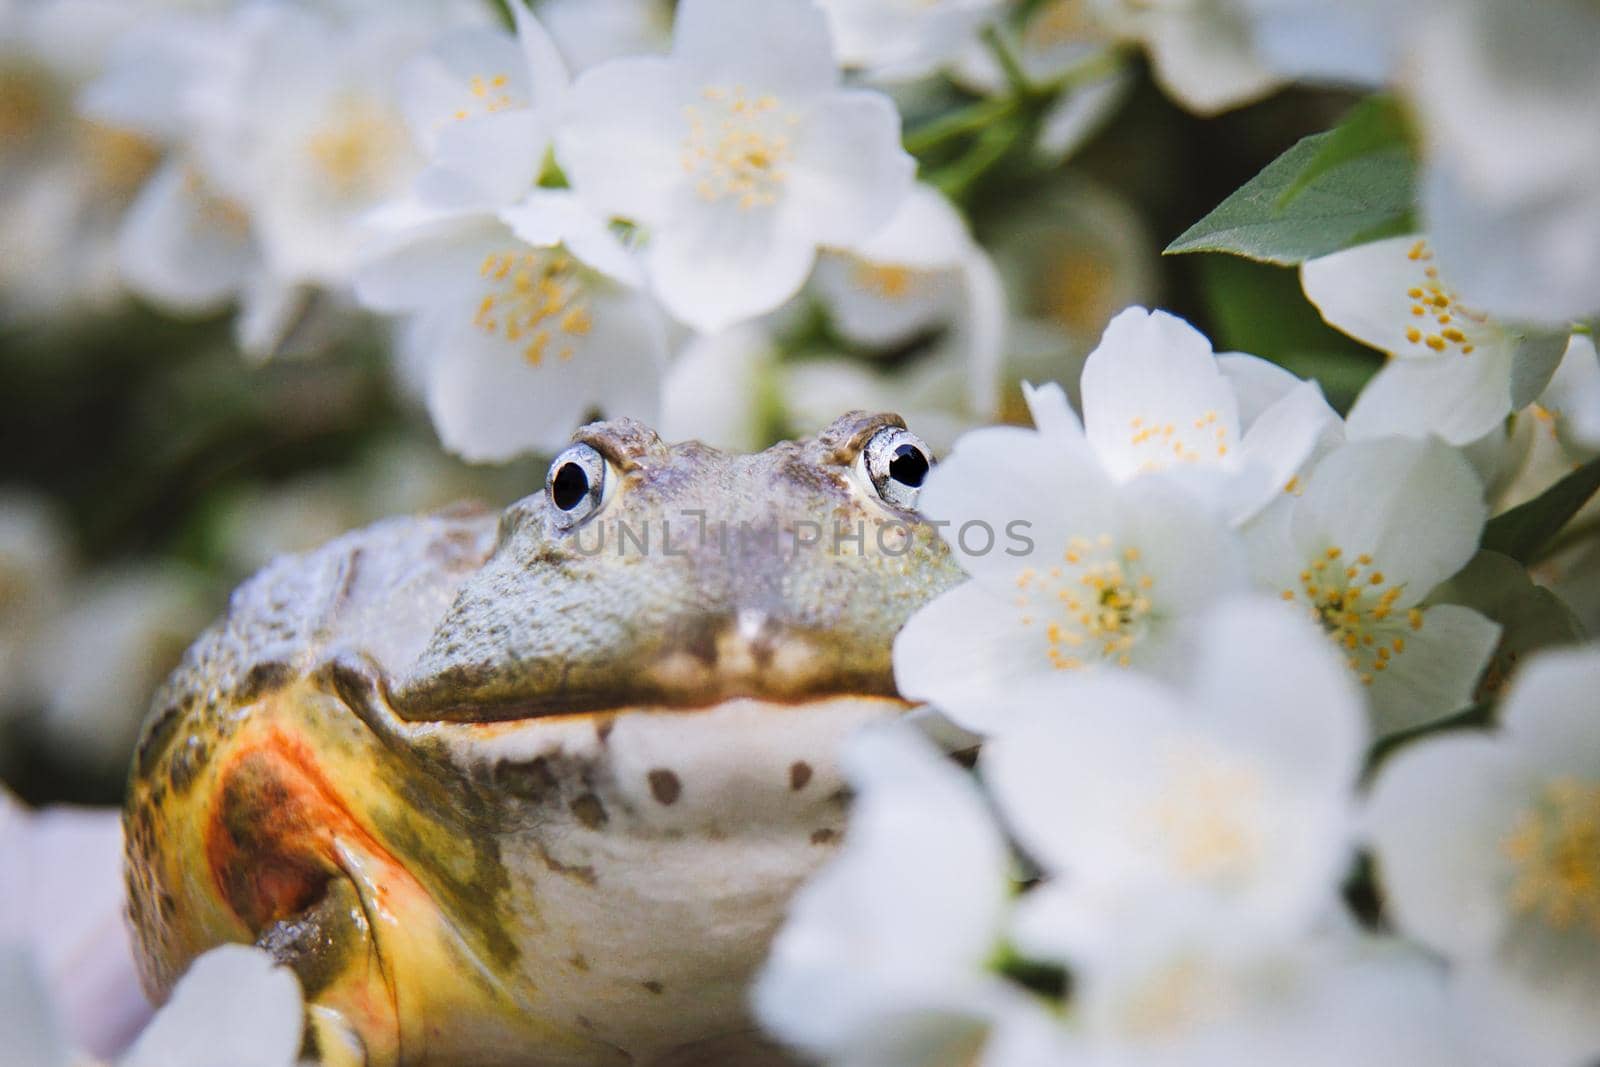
{"x":909,"y":466}
{"x":569,"y":487}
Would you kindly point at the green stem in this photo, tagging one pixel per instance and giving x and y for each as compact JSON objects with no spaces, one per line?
{"x":1010,"y":65}
{"x":958,"y":123}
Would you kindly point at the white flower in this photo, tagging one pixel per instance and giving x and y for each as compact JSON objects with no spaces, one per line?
{"x":889,"y":947}
{"x":1155,"y":398}
{"x":103,"y":657}
{"x":919,"y":272}
{"x":589,"y":32}
{"x":1572,"y":399}
{"x":1488,"y":848}
{"x":1233,"y":795}
{"x":739,"y":153}
{"x":1360,"y":546}
{"x":1457,"y":372}
{"x":902,"y":40}
{"x":234,"y":1006}
{"x":1070,"y":570}
{"x":482,"y":106}
{"x":1201,"y":52}
{"x":527,"y":320}
{"x":1058,"y":40}
{"x":933,"y":393}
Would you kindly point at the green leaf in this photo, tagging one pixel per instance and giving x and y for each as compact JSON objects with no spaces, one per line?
{"x":1375,"y":125}
{"x":1524,"y":531}
{"x":1347,"y":202}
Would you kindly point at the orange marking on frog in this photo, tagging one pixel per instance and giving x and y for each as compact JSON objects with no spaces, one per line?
{"x":273,"y":839}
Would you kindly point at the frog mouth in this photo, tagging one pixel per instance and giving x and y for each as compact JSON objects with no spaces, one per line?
{"x":747,"y":658}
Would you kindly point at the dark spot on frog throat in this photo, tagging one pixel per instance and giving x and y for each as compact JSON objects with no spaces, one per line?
{"x":799,"y":775}
{"x":262,"y":679}
{"x":588,"y":810}
{"x":654,"y":987}
{"x":533,"y":780}
{"x":823,"y":836}
{"x":665,"y":785}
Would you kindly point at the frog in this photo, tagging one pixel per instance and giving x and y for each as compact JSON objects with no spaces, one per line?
{"x":534,"y":787}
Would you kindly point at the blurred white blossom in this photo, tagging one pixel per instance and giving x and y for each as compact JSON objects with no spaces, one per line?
{"x":739,"y":153}
{"x":1486,"y":844}
{"x":901,"y":40}
{"x":482,"y":106}
{"x":1202,"y":53}
{"x":919,"y":272}
{"x":589,"y":32}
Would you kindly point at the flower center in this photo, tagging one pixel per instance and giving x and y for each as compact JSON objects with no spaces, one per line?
{"x":220,"y":212}
{"x":24,"y":105}
{"x":490,"y":95}
{"x":533,"y":297}
{"x":738,"y":147}
{"x":1354,"y":603}
{"x":1438,"y":316}
{"x":118,"y":160}
{"x":1556,"y":849}
{"x":356,"y":145}
{"x":1206,"y":817}
{"x":1162,"y":443}
{"x":1096,"y":601}
{"x":887,"y":282}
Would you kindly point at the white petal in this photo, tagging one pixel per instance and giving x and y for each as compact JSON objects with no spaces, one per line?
{"x":926,"y":231}
{"x":1438,"y":672}
{"x":777,"y":46}
{"x":1068,"y":771}
{"x":1415,"y":506}
{"x":436,"y":88}
{"x":1023,"y":492}
{"x":905,"y":917}
{"x":426,"y":265}
{"x":1279,"y":445}
{"x":181,"y":247}
{"x":1535,"y":1001}
{"x":1549,"y":711}
{"x":548,"y":217}
{"x":28,"y":1026}
{"x":850,"y":174}
{"x":486,"y":161}
{"x":547,"y":69}
{"x":490,"y":404}
{"x":725,"y":266}
{"x":963,"y":651}
{"x":1531,"y":260}
{"x":1457,"y":398}
{"x":1438,"y":817}
{"x":1204,"y":60}
{"x":1304,"y":711}
{"x":1573,"y":395}
{"x":233,"y":1006}
{"x":1257,"y":383}
{"x":1153,"y":396}
{"x":621,"y":141}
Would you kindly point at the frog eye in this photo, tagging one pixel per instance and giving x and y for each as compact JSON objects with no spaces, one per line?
{"x":896,"y":462}
{"x":576,"y":485}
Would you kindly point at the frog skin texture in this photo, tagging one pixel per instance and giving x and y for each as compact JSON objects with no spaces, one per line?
{"x":501,"y":798}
